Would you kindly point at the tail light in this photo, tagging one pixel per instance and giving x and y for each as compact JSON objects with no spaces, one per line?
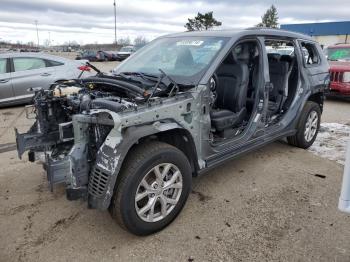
{"x":84,"y":68}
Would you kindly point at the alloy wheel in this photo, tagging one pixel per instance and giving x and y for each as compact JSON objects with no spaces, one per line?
{"x":158,"y":192}
{"x":311,"y":126}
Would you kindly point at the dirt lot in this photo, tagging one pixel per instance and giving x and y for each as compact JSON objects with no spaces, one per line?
{"x":276,"y":204}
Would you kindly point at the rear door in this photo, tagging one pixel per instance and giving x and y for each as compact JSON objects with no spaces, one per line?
{"x":6,"y":90}
{"x":30,"y":72}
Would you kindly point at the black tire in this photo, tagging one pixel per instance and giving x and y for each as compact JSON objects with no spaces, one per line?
{"x":139,"y":162}
{"x":299,"y":139}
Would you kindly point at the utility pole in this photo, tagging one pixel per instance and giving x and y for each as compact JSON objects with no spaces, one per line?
{"x":115,"y":23}
{"x":49,"y":38}
{"x":37,"y":32}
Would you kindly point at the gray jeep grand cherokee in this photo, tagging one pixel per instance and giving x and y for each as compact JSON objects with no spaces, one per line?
{"x":131,"y":141}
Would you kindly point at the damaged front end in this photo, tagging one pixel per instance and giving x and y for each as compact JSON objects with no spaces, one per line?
{"x":84,"y":128}
{"x":73,"y":120}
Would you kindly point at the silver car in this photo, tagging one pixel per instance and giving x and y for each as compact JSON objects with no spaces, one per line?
{"x":20,"y":72}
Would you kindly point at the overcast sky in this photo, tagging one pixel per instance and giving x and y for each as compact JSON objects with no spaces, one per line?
{"x":89,"y":21}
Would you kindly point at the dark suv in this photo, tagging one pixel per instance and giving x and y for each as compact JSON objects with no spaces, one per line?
{"x":131,"y":141}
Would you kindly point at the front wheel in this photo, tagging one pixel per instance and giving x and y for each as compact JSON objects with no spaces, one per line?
{"x":308,"y":126}
{"x":153,"y":186}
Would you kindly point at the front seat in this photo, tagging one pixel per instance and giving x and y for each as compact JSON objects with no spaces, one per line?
{"x":232,"y":88}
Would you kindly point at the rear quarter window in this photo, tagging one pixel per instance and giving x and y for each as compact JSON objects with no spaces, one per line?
{"x":51,"y":63}
{"x":310,"y":54}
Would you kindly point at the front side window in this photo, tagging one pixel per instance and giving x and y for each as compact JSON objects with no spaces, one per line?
{"x":183,"y":58}
{"x":28,"y":63}
{"x":3,"y":63}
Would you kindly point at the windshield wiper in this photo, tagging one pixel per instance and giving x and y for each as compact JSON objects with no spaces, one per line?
{"x":144,"y":76}
{"x":175,"y":85}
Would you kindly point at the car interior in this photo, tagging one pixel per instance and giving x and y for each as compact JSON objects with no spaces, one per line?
{"x":235,"y":83}
{"x":234,"y":90}
{"x":284,"y":74}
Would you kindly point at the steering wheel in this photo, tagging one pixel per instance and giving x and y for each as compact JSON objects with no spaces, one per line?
{"x":213,"y":83}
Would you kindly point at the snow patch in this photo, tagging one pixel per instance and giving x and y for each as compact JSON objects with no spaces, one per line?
{"x":331,"y":142}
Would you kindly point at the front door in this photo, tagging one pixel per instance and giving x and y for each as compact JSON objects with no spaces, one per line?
{"x":6,"y":91}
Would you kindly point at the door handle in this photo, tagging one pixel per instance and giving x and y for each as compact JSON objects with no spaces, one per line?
{"x":45,"y":74}
{"x":4,"y":80}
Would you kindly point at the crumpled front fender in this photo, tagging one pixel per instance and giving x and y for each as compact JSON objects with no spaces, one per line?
{"x":110,"y":157}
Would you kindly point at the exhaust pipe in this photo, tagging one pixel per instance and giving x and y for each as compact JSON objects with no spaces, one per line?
{"x":344,"y":200}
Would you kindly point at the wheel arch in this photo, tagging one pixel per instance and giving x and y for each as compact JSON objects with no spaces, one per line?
{"x":170,"y":133}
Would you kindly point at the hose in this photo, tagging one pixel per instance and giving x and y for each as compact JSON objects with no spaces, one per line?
{"x":113,"y":82}
{"x":107,"y":104}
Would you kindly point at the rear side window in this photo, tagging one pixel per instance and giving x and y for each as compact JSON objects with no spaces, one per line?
{"x":3,"y":65}
{"x":50,"y":63}
{"x":310,"y":53}
{"x":28,"y":63}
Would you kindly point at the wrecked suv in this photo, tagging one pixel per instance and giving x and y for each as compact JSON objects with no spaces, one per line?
{"x":131,"y":141}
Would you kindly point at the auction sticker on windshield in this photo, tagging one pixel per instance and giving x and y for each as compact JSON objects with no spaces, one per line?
{"x":189,"y":43}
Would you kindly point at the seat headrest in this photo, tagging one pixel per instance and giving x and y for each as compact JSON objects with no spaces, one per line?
{"x":242,"y":54}
{"x":184,"y":57}
{"x":274,"y":57}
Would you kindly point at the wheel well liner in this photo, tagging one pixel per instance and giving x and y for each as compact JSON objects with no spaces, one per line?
{"x":317,"y":98}
{"x":181,"y":139}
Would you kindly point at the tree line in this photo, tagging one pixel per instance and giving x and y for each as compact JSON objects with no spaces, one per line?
{"x":207,"y":21}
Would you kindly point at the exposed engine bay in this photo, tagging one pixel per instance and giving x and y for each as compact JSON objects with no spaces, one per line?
{"x":73,"y":119}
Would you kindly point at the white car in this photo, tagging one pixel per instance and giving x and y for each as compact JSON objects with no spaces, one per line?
{"x":20,"y":72}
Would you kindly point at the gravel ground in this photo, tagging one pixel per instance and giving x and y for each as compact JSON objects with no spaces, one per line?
{"x":278,"y":203}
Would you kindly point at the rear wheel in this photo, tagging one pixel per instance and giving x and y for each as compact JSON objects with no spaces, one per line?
{"x":308,"y":126}
{"x":153,"y":186}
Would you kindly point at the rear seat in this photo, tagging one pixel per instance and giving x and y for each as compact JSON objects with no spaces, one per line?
{"x":279,"y":78}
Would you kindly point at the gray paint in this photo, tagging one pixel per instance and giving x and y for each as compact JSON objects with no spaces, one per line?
{"x":185,"y":111}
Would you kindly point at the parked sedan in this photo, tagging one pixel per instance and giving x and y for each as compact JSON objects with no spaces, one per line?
{"x":92,"y":56}
{"x":20,"y":72}
{"x":125,"y":52}
{"x":109,"y":55}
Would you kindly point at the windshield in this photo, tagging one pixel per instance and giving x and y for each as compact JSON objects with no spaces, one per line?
{"x":185,"y":59}
{"x":341,"y":53}
{"x":126,"y":49}
{"x":281,"y":51}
